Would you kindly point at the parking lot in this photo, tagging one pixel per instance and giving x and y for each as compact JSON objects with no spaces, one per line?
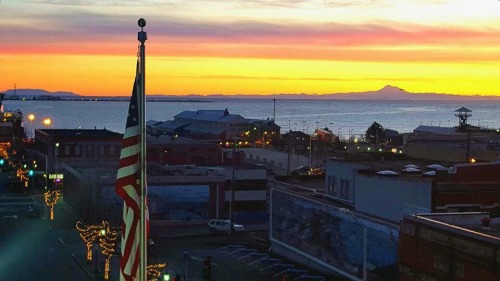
{"x":230,"y":261}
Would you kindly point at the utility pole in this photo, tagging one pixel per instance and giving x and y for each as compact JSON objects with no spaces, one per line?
{"x":231,"y":202}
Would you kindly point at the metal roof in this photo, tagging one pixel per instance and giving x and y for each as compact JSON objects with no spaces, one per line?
{"x":80,"y":133}
{"x":171,"y":125}
{"x":204,"y":129}
{"x":463,"y":109}
{"x":209,"y":115}
{"x":153,"y":123}
{"x":434,"y":129}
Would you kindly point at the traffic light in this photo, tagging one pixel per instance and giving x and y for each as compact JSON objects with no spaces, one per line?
{"x":207,"y":268}
{"x":2,"y":161}
{"x":31,"y":173}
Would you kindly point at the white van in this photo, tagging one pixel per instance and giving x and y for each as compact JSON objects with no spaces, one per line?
{"x":223,"y":225}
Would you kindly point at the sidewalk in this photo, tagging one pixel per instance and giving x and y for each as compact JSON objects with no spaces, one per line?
{"x":64,"y":227}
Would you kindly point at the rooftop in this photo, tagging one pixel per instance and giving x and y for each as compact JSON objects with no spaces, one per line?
{"x":164,"y":139}
{"x":434,"y":129}
{"x":413,"y":169}
{"x":100,"y":133}
{"x":468,"y":224}
{"x":209,"y":115}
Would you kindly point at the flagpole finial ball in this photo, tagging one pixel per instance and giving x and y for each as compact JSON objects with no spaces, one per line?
{"x":141,"y":22}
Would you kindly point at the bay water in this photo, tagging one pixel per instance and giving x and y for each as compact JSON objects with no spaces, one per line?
{"x":342,"y":116}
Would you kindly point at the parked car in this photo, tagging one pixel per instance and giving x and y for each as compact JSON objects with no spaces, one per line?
{"x":223,"y":225}
{"x":308,"y":171}
{"x":301,"y":171}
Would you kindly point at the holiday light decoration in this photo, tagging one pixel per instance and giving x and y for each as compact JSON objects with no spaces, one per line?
{"x":89,"y":235}
{"x":51,"y":198}
{"x":107,"y":241}
{"x":154,"y":271}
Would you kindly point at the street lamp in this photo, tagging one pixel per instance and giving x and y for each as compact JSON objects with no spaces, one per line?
{"x":346,"y":211}
{"x":31,"y":117}
{"x":55,"y":153}
{"x":47,"y":121}
{"x":310,"y":150}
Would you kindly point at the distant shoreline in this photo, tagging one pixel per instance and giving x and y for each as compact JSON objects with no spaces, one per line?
{"x":105,"y":99}
{"x":214,"y":99}
{"x":386,"y":93}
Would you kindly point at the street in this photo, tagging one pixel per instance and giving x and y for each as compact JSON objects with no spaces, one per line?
{"x":32,"y":249}
{"x":37,"y":248}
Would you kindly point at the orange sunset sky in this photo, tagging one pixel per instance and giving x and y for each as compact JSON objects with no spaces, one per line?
{"x":207,"y":47}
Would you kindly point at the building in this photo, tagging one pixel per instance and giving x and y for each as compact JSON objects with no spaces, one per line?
{"x":184,"y":184}
{"x":295,"y":142}
{"x":424,"y":129}
{"x":76,"y":161}
{"x":12,"y":133}
{"x":171,"y":150}
{"x":217,"y":126}
{"x":214,"y":122}
{"x":419,"y":188}
{"x":445,"y":144}
{"x":77,"y":148}
{"x":311,"y":229}
{"x":449,"y":246}
{"x":364,"y":199}
{"x":468,"y":187}
{"x":262,"y":133}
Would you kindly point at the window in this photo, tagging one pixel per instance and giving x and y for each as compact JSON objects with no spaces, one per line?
{"x":102,"y":150}
{"x":67,"y":150}
{"x":331,"y":185}
{"x":77,"y":150}
{"x":90,"y":150}
{"x":345,"y":189}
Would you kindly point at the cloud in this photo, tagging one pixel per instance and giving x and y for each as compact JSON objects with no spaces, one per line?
{"x":278,"y":78}
{"x":105,"y":3}
{"x":76,"y":30}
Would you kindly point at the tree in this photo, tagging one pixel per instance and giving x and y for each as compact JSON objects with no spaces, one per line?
{"x":375,"y":134}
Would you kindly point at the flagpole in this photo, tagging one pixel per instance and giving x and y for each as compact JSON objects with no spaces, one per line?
{"x":142,"y":37}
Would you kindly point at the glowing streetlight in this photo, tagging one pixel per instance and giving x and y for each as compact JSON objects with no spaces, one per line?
{"x":47,"y":122}
{"x":31,"y":117}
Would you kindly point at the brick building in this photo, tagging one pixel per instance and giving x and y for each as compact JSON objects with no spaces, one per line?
{"x":451,"y":246}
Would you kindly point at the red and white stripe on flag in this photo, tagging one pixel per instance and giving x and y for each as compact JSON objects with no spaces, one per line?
{"x":128,"y":187}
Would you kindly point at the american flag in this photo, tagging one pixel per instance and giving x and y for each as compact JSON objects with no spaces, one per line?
{"x":128,"y":187}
